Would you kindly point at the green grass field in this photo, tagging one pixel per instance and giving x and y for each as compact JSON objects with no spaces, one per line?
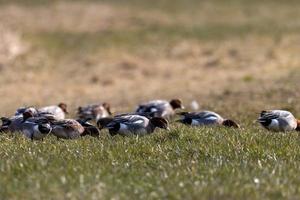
{"x":205,"y":163}
{"x":235,"y":57}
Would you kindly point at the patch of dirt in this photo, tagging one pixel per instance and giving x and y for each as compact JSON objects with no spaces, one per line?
{"x":75,"y":17}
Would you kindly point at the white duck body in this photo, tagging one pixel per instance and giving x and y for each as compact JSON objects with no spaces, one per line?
{"x":157,"y":108}
{"x":278,"y":120}
{"x":35,"y":130}
{"x":58,"y":113}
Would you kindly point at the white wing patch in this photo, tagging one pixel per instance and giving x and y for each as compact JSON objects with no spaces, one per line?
{"x":211,"y":118}
{"x":274,"y":124}
{"x":123,"y":127}
{"x":140,"y":121}
{"x":154,"y":109}
{"x":195,"y":122}
{"x":36,"y":129}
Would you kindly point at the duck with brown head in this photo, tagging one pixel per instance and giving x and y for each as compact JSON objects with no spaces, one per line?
{"x":206,"y":118}
{"x":36,"y":128}
{"x":58,"y":111}
{"x":160,"y":108}
{"x":132,"y":124}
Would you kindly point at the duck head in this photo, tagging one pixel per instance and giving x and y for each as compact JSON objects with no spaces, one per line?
{"x":107,"y":107}
{"x":176,"y":104}
{"x":63,"y":106}
{"x":45,"y":128}
{"x":103,"y":122}
{"x":27,"y":114}
{"x":5,"y":121}
{"x":230,"y":123}
{"x":160,"y":122}
{"x":298,"y":125}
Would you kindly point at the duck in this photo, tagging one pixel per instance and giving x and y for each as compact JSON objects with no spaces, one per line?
{"x":59,"y":111}
{"x":21,"y":110}
{"x":160,"y":108}
{"x":5,"y":123}
{"x":28,"y":114}
{"x":132,"y":124}
{"x":12,"y":124}
{"x":278,"y":121}
{"x":94,"y":111}
{"x":33,"y":128}
{"x":36,"y":128}
{"x":89,"y":129}
{"x":67,"y":129}
{"x":205,"y":118}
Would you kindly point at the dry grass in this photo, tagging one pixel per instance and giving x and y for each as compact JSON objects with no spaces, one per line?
{"x":126,"y":54}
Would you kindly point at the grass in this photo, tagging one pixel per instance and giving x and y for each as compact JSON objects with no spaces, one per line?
{"x":151,"y":36}
{"x":191,"y":163}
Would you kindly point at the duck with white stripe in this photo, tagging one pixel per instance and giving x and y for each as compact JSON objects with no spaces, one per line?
{"x":132,"y":124}
{"x":160,"y":108}
{"x":36,"y":128}
{"x":12,"y":124}
{"x":279,"y":120}
{"x":206,"y":118}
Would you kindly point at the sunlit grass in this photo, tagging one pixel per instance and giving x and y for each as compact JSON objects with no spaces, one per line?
{"x":184,"y":163}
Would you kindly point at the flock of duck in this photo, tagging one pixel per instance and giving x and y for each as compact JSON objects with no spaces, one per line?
{"x":37,"y":123}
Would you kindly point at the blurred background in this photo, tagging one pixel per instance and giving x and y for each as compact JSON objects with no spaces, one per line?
{"x":235,"y":56}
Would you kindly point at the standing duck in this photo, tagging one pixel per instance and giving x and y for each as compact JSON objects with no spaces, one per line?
{"x":160,"y":108}
{"x":94,"y":111}
{"x":132,"y":124}
{"x":58,"y":111}
{"x":279,"y":120}
{"x":205,"y":118}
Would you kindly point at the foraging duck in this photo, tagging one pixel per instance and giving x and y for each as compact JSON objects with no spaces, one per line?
{"x":12,"y":124}
{"x":36,"y":128}
{"x":58,"y":111}
{"x":33,"y":128}
{"x":160,"y":108}
{"x":205,"y":118}
{"x":89,"y":129}
{"x":132,"y":124}
{"x":95,"y":111}
{"x":279,"y":120}
{"x":67,"y":129}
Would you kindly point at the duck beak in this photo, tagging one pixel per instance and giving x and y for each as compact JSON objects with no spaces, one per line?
{"x":168,"y":129}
